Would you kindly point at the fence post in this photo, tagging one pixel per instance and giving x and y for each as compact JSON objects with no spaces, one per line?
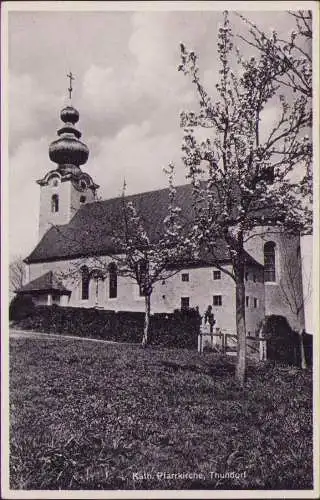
{"x":200,"y":342}
{"x":263,"y":349}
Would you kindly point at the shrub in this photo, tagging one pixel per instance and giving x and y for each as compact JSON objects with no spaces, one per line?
{"x":171,"y":330}
{"x":307,"y":344}
{"x":283,"y":343}
{"x":21,"y":307}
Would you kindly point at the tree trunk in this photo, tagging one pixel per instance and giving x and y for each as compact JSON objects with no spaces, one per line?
{"x":146,"y":321}
{"x":241,"y":332}
{"x":302,"y":351}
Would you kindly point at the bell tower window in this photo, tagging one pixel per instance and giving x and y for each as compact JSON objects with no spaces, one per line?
{"x":54,"y":203}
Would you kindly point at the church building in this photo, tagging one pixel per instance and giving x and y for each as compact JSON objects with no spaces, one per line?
{"x":74,"y":226}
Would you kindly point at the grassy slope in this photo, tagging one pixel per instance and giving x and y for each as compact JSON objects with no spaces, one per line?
{"x":88,"y":416}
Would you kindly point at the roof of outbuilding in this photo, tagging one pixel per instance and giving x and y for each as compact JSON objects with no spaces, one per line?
{"x":91,"y":230}
{"x":47,"y":282}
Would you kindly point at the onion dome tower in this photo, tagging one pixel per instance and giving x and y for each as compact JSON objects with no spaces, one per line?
{"x":66,"y":188}
{"x":68,"y":151}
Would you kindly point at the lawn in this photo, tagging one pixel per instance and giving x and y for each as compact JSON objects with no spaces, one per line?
{"x":89,"y":415}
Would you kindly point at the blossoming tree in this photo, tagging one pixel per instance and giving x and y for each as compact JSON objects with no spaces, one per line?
{"x":291,"y":59}
{"x":147,"y":260}
{"x":140,"y":256}
{"x":242,"y":172}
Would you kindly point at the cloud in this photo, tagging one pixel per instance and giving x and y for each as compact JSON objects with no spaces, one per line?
{"x":147,"y":86}
{"x":31,"y":108}
{"x":106,"y":92}
{"x":28,"y":163}
{"x":137,"y":156}
{"x":155,"y":44}
{"x":109,"y":100}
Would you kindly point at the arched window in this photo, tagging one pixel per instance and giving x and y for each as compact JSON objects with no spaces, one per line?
{"x":55,"y":203}
{"x":113,"y":281}
{"x":97,"y":275}
{"x":85,"y":280}
{"x":269,"y":261}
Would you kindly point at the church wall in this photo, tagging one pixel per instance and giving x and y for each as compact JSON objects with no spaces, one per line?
{"x":255,"y":291}
{"x":200,"y":289}
{"x":284,"y":295}
{"x":166,"y":296}
{"x":41,"y":300}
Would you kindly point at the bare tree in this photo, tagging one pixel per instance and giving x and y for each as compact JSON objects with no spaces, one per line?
{"x":16,"y":274}
{"x":248,"y":184}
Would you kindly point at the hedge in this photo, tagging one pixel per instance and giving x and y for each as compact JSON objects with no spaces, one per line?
{"x":179,"y":329}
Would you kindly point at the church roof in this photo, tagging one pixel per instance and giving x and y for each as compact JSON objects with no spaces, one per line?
{"x":47,"y":282}
{"x":90,"y":230}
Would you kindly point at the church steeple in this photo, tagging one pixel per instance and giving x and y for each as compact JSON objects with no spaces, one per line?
{"x":68,"y":151}
{"x":67,"y":187}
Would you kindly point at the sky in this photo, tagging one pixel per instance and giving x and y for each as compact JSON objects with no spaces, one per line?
{"x":127,"y":90}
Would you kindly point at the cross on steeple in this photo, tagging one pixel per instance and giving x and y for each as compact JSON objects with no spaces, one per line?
{"x":124,"y":187}
{"x":70,"y":89}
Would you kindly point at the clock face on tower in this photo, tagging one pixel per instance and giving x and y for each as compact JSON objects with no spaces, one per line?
{"x":81,"y":184}
{"x":53,"y":181}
